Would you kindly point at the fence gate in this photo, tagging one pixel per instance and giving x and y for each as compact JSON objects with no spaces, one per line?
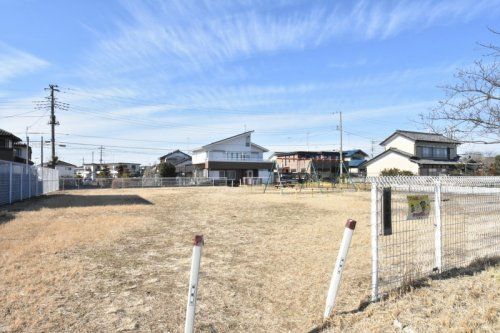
{"x":425,"y":225}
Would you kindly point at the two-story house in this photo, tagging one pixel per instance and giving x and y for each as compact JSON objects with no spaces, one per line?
{"x":12,"y":149}
{"x":424,"y":154}
{"x":234,"y":158}
{"x":302,"y":163}
{"x":324,"y":163}
{"x":66,"y":170}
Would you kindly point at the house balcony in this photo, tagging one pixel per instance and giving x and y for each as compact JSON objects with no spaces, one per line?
{"x":231,"y":160}
{"x":234,"y":156}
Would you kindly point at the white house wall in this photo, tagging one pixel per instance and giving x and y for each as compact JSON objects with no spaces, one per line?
{"x":401,"y":143}
{"x":389,"y":161}
{"x":199,"y":157}
{"x":66,"y":171}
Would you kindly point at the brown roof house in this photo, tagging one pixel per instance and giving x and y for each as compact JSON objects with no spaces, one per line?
{"x":234,"y":158}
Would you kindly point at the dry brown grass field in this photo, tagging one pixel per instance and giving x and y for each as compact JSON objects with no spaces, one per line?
{"x":118,"y":260}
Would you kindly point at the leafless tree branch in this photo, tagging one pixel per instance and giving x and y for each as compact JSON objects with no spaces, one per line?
{"x":472,"y":104}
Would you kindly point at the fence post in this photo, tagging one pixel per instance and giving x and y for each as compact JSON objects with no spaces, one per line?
{"x":374,"y":240}
{"x":438,"y":227}
{"x":10,"y":182}
{"x":29,"y":182}
{"x":193,"y":284}
{"x":339,"y":267}
{"x":22,"y":176}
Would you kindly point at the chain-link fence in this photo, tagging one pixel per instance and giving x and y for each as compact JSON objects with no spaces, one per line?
{"x":79,"y":183}
{"x":20,"y":181}
{"x":426,"y":225}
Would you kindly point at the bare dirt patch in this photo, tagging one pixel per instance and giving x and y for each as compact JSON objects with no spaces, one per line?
{"x":118,"y":260}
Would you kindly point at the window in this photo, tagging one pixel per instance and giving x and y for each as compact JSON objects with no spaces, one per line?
{"x":222,"y":173}
{"x":247,"y":142}
{"x":231,"y":174}
{"x":440,"y":152}
{"x":426,"y":151}
{"x":5,"y":143}
{"x":434,"y":152}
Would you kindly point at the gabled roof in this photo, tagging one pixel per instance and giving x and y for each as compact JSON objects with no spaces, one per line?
{"x":174,"y":152}
{"x":355,"y":163}
{"x":386,"y":152}
{"x":229,"y":139}
{"x":61,"y":163}
{"x":259,"y":147}
{"x":5,"y":133}
{"x":349,"y":153}
{"x":421,"y":136}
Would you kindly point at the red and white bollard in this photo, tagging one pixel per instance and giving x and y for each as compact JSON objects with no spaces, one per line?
{"x":339,"y":267}
{"x":193,"y":284}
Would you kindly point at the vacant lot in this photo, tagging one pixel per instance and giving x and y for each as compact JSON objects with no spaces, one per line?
{"x":118,"y":260}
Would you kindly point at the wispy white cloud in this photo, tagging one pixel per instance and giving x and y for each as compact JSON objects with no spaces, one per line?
{"x":180,"y":35}
{"x":14,"y":62}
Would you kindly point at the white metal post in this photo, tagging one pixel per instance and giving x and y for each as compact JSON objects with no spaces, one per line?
{"x":193,"y":284}
{"x":374,"y":240}
{"x":339,"y":267}
{"x":438,"y":227}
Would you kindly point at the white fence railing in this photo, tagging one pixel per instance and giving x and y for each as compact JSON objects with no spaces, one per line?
{"x":424,"y":225}
{"x":252,"y":181}
{"x":79,"y":183}
{"x":20,"y":181}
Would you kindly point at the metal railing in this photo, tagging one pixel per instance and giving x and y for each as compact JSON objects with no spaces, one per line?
{"x":253,"y":181}
{"x":19,"y":181}
{"x":425,"y":225}
{"x":79,"y":183}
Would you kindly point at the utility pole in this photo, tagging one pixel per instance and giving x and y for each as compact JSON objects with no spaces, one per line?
{"x":53,"y":122}
{"x":41,"y":151}
{"x":27,"y":147}
{"x":100,"y":159}
{"x":373,"y":147}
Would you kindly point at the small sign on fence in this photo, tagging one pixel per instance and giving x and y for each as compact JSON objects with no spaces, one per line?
{"x":418,"y":206}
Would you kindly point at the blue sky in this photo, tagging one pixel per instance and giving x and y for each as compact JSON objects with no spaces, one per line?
{"x":143,"y":78}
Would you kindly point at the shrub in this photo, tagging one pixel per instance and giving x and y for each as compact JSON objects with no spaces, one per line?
{"x":396,"y":172}
{"x":166,"y":170}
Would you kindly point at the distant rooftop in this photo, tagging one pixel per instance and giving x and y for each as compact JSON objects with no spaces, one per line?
{"x":61,"y":163}
{"x":421,"y":136}
{"x":5,"y":133}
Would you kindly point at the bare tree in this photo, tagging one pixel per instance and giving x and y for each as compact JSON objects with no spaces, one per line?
{"x":471,"y":107}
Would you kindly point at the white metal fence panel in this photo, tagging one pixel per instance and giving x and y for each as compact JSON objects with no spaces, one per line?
{"x":252,"y":181}
{"x":20,"y":181}
{"x":5,"y":180}
{"x":79,"y":183}
{"x":423,"y":225}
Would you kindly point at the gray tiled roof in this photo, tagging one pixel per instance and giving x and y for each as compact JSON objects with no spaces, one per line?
{"x":422,"y":136}
{"x":419,"y":161}
{"x":5,"y":133}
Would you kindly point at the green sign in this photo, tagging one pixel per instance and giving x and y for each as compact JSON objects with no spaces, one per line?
{"x":418,"y":206}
